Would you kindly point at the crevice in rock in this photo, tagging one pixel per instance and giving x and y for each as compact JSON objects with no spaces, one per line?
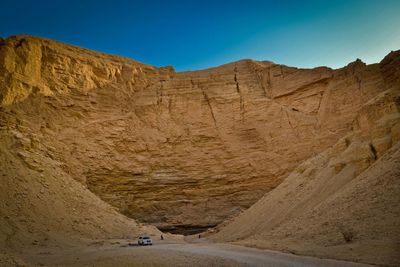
{"x":347,"y":142}
{"x":240,"y":94}
{"x":305,"y":87}
{"x":374,"y":152}
{"x":209,"y":105}
{"x":319,"y":103}
{"x":20,"y":42}
{"x":291,"y":126}
{"x":269,"y":84}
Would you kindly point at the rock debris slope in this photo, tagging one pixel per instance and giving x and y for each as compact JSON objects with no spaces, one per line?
{"x":180,"y":150}
{"x":343,"y":203}
{"x":41,"y":203}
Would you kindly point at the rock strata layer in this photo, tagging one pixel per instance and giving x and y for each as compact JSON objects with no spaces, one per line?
{"x":343,"y":203}
{"x":180,"y":150}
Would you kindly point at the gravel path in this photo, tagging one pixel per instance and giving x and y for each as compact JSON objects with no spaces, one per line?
{"x":253,"y":257}
{"x":176,"y":254}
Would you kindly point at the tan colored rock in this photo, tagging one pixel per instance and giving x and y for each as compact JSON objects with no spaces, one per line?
{"x":181,"y":150}
{"x":342,"y":203}
{"x":41,"y":205}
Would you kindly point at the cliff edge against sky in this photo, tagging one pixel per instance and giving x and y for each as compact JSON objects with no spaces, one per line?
{"x":186,"y":151}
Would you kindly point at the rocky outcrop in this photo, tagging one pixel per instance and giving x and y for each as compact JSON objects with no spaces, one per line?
{"x":181,"y":150}
{"x":41,"y":205}
{"x":342,"y":203}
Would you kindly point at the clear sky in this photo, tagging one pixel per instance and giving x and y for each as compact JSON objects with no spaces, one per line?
{"x":199,"y":34}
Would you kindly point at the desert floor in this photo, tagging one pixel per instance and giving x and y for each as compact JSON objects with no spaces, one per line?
{"x":169,"y":253}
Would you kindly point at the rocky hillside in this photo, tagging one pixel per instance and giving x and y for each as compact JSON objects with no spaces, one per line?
{"x":41,"y":205}
{"x":180,"y":150}
{"x":40,"y":201}
{"x":343,"y":203}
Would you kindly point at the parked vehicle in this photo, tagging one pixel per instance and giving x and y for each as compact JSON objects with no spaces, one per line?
{"x":145,"y":240}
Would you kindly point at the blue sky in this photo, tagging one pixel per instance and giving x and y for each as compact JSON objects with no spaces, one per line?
{"x":199,"y":34}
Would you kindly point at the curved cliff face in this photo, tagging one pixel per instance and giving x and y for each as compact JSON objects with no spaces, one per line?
{"x":181,"y":150}
{"x":42,"y":205}
{"x":342,"y":203}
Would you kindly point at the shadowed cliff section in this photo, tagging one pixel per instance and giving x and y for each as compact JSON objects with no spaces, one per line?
{"x":179,"y":149}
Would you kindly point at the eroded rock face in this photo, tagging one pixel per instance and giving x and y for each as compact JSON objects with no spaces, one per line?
{"x":343,"y":203}
{"x":181,"y":150}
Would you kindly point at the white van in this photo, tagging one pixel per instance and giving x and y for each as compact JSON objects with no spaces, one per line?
{"x":145,"y":240}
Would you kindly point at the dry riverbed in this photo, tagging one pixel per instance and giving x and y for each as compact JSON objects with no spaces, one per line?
{"x":166,"y":253}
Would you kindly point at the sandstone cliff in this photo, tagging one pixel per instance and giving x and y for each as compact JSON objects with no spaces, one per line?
{"x":41,"y":204}
{"x":343,"y":203}
{"x":180,"y":150}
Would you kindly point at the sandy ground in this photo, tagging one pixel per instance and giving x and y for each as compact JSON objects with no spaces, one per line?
{"x":166,"y":253}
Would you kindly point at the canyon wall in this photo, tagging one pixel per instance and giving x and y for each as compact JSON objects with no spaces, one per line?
{"x":344,"y":203}
{"x":180,"y":150}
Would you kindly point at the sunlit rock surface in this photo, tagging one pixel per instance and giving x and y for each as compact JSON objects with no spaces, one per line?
{"x":181,"y":150}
